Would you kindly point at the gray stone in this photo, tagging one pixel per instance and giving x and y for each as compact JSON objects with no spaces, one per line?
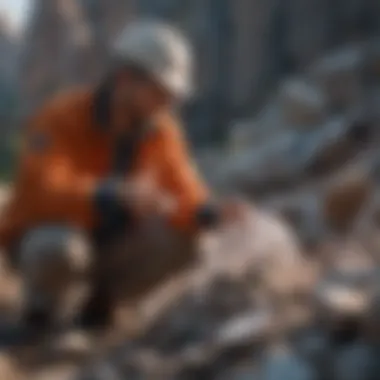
{"x":373,"y":59}
{"x":243,"y":372}
{"x":345,"y":197}
{"x":326,"y":148}
{"x":347,"y":287}
{"x":313,"y":345}
{"x":303,"y":104}
{"x":302,"y":211}
{"x":103,"y":371}
{"x":340,"y":76}
{"x":354,"y":363}
{"x":271,"y":165}
{"x":280,"y":365}
{"x":245,"y":329}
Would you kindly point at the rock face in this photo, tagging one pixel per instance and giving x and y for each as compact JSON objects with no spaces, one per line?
{"x":9,"y":90}
{"x":8,"y":71}
{"x":67,"y":43}
{"x":244,"y":48}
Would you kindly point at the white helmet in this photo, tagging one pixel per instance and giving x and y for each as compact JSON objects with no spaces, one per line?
{"x":162,"y":51}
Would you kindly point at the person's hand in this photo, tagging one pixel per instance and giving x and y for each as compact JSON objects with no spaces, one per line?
{"x":234,"y":210}
{"x":144,"y":197}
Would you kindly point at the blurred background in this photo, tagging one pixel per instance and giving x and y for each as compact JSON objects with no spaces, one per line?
{"x":287,"y":113}
{"x":246,"y":49}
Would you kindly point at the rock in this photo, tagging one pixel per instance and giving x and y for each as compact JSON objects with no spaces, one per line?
{"x":260,"y":130}
{"x":268,"y":168}
{"x":9,"y":66}
{"x":302,"y":211}
{"x":313,"y":345}
{"x":245,"y":329}
{"x":242,"y":372}
{"x":372,"y":328}
{"x":101,"y":371}
{"x":342,"y":300}
{"x":373,"y":59}
{"x":62,"y":372}
{"x":328,"y":148}
{"x":226,"y":309}
{"x":345,"y":292}
{"x":76,"y":52}
{"x":285,"y":365}
{"x":287,"y":158}
{"x":303,"y":104}
{"x":242,"y":135}
{"x":354,"y":362}
{"x":195,"y":318}
{"x":340,"y":75}
{"x":263,"y":245}
{"x":345,"y":197}
{"x":74,"y":345}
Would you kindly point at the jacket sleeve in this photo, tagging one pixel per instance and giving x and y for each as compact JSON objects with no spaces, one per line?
{"x":50,"y":184}
{"x":183,"y":182}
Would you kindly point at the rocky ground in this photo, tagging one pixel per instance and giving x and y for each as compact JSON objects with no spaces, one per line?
{"x":291,"y":294}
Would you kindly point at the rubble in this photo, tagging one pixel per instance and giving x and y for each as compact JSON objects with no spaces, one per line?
{"x":346,"y":197}
{"x":303,"y":104}
{"x":340,"y":76}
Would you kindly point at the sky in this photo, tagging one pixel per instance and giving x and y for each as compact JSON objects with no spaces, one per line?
{"x":16,"y":10}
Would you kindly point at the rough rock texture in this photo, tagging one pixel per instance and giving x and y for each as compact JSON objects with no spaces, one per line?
{"x":302,"y":80}
{"x":8,"y":72}
{"x":243,"y":48}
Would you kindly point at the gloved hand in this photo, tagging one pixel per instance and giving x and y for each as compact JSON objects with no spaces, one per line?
{"x":234,"y":210}
{"x":145,"y":198}
{"x":223,"y":212}
{"x":140,"y":195}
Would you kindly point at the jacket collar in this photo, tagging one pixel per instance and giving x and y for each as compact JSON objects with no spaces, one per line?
{"x":102,"y":104}
{"x":102,"y":107}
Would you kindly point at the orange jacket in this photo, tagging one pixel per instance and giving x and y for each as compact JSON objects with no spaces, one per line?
{"x":66,"y":155}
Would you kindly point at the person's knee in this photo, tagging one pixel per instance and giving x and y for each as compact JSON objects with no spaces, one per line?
{"x":50,"y":250}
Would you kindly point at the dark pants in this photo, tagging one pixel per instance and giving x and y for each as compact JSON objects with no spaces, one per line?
{"x":65,"y":272}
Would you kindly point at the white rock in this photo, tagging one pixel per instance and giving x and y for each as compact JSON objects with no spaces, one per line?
{"x":263,"y":245}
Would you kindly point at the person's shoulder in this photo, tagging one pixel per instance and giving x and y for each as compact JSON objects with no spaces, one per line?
{"x":168,"y":126}
{"x":59,"y":111}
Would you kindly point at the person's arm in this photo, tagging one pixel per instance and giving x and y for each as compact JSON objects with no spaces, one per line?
{"x":195,"y":208}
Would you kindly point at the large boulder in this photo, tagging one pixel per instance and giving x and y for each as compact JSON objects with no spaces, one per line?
{"x":228,"y":303}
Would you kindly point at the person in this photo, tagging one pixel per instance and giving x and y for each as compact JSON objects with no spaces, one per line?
{"x":104,"y":163}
